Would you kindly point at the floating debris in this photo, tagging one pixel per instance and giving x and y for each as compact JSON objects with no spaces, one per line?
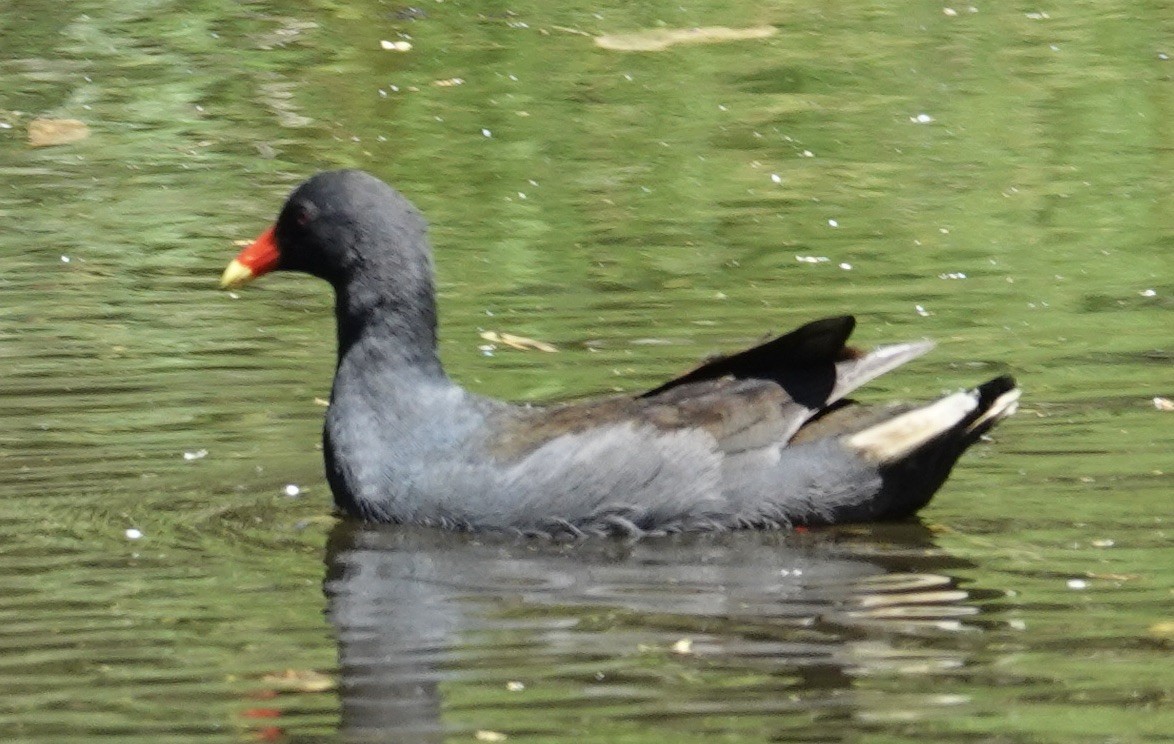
{"x":449,"y":82}
{"x":683,"y":646}
{"x":199,"y":454}
{"x":1163,"y":629}
{"x":50,"y":132}
{"x":812,"y":259}
{"x":659,"y":39}
{"x":486,"y":735}
{"x":515,"y":686}
{"x":520,"y":343}
{"x":1163,"y":404}
{"x":1077,"y":584}
{"x":396,"y":46}
{"x":133,"y":534}
{"x":291,"y":490}
{"x":300,"y":680}
{"x":921,"y":119}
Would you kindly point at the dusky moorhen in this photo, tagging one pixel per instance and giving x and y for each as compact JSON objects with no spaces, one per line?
{"x":760,"y":438}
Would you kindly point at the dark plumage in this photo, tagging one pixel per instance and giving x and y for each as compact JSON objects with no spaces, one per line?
{"x":761,"y":438}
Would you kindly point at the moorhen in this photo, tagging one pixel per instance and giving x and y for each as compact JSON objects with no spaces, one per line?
{"x":761,"y":438}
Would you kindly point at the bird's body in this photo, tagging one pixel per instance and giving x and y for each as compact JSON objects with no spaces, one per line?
{"x":762,"y":438}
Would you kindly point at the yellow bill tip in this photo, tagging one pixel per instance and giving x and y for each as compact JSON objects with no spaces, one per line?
{"x":235,"y":275}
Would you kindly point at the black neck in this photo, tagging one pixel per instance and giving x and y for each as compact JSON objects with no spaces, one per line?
{"x":386,"y":331}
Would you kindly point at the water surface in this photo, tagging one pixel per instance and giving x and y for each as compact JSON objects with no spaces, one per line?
{"x":995,"y":178}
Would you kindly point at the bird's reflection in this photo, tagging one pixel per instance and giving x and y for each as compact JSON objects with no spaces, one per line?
{"x":418,"y":610}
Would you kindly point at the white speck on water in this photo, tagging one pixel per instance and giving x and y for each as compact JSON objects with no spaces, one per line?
{"x":383,"y":93}
{"x":199,"y":454}
{"x":1017,"y":624}
{"x":949,"y":12}
{"x":513,"y":77}
{"x":846,"y":266}
{"x":952,"y":275}
{"x":944,"y":230}
{"x":486,"y":133}
{"x":1077,"y":584}
{"x":921,"y":311}
{"x":776,"y":178}
{"x":628,"y":77}
{"x":807,"y":154}
{"x":65,"y":259}
{"x":515,"y":686}
{"x":5,"y":125}
{"x":812,"y":259}
{"x":396,"y":46}
{"x":1148,"y":293}
{"x":531,"y":181}
{"x":833,"y":223}
{"x":722,"y":107}
{"x":1103,"y":543}
{"x":521,"y":195}
{"x":921,"y":119}
{"x":133,"y":534}
{"x":291,"y":490}
{"x":487,"y":349}
{"x":1038,"y":16}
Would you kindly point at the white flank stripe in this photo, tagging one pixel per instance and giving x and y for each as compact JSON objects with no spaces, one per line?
{"x":893,"y":439}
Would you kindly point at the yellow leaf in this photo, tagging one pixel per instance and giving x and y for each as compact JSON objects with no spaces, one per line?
{"x":300,"y":680}
{"x":48,"y":132}
{"x":520,"y":343}
{"x":659,"y":39}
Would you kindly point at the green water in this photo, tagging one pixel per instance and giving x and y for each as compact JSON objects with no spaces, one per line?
{"x":998,"y":179}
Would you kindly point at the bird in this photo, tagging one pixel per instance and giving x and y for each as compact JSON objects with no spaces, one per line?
{"x":764,"y":438}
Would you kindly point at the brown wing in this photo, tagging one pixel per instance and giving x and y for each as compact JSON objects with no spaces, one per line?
{"x":738,"y":414}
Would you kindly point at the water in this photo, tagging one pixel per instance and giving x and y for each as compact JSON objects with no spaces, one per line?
{"x":997,"y":180}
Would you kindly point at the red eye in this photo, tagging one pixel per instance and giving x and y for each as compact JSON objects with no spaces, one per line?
{"x":303,"y":217}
